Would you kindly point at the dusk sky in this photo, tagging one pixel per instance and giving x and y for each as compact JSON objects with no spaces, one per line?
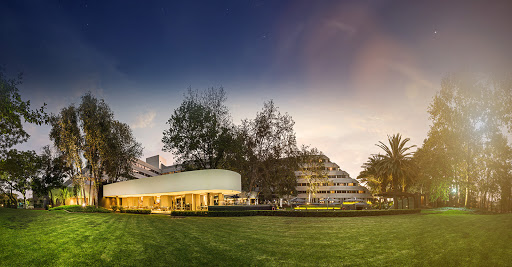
{"x":348,"y":72}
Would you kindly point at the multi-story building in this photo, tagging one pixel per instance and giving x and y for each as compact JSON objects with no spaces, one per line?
{"x":153,"y":166}
{"x":338,"y":187}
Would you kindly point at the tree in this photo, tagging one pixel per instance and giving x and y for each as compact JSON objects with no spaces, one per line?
{"x":121,"y":150}
{"x":52,"y":174}
{"x":374,"y":175}
{"x":12,"y":111}
{"x":397,"y":162}
{"x":95,"y":121}
{"x":19,"y":168}
{"x":200,"y":130}
{"x":312,"y":169}
{"x":457,"y":112}
{"x":91,"y":132}
{"x":465,"y":152}
{"x":271,"y":149}
{"x":68,"y":139}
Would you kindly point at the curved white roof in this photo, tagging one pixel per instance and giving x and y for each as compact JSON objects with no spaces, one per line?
{"x":202,"y":181}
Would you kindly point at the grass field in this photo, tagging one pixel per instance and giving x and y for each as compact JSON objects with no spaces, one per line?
{"x":432,"y":238}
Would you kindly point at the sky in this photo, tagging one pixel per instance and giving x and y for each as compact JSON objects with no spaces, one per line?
{"x":350,"y":73}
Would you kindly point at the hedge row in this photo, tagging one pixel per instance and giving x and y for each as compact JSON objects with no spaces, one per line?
{"x":135,"y":211}
{"x":78,"y":208}
{"x":345,"y":213}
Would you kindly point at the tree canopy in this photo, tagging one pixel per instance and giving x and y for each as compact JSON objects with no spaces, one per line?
{"x":52,"y":174}
{"x":13,"y":111}
{"x":264,"y":151}
{"x":271,"y":149}
{"x":91,"y":132}
{"x":466,"y":155}
{"x":200,"y":130}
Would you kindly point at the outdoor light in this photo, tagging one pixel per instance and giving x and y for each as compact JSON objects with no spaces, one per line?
{"x":454,"y":190}
{"x":83,"y":204}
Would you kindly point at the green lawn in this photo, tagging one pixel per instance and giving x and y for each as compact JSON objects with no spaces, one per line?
{"x":435,"y":238}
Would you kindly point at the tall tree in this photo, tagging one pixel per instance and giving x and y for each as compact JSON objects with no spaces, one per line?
{"x":121,"y":150}
{"x":91,"y":132}
{"x":68,"y":139}
{"x":95,"y":121}
{"x":397,"y":162}
{"x":272,"y":152}
{"x":12,"y":111}
{"x":458,"y":112}
{"x":200,"y":131}
{"x":463,"y":147}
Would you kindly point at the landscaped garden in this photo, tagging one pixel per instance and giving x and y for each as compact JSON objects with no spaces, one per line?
{"x":434,"y":237}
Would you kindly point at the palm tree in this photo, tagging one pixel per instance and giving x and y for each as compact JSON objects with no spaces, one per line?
{"x":397,"y":162}
{"x":374,"y":176}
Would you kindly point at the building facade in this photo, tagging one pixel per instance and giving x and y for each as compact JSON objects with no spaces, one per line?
{"x":339,"y":187}
{"x":192,"y":190}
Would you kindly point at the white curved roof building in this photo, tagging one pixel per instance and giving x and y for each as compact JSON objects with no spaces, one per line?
{"x":192,"y":190}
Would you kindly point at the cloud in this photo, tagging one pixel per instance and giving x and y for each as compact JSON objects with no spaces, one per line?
{"x":342,"y":27}
{"x":144,"y":120}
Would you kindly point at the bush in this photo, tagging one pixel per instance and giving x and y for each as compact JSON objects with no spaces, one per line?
{"x":121,"y":209}
{"x":338,"y":213}
{"x":137,"y":211}
{"x":114,"y":208}
{"x":94,"y":209}
{"x":78,"y":208}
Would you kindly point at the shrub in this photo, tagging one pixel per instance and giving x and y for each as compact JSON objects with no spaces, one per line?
{"x":121,"y":209}
{"x":78,"y":208}
{"x":94,"y":209}
{"x":138,"y":211}
{"x":338,"y":213}
{"x":114,"y":208}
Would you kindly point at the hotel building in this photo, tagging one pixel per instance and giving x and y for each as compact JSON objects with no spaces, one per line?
{"x":161,"y":187}
{"x":338,"y":187}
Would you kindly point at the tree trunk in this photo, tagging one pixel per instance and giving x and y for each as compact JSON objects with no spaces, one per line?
{"x":99,"y":189}
{"x":395,"y":192}
{"x":89,"y":202}
{"x":51,"y":199}
{"x":467,"y":201}
{"x":83,"y":195}
{"x":12,"y":201}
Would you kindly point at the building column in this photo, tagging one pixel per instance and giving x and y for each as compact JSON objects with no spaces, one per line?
{"x":210,"y":199}
{"x":221,"y":199}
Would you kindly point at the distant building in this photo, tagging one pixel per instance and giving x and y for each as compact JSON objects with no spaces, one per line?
{"x":161,"y":187}
{"x":153,"y":166}
{"x":339,"y":187}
